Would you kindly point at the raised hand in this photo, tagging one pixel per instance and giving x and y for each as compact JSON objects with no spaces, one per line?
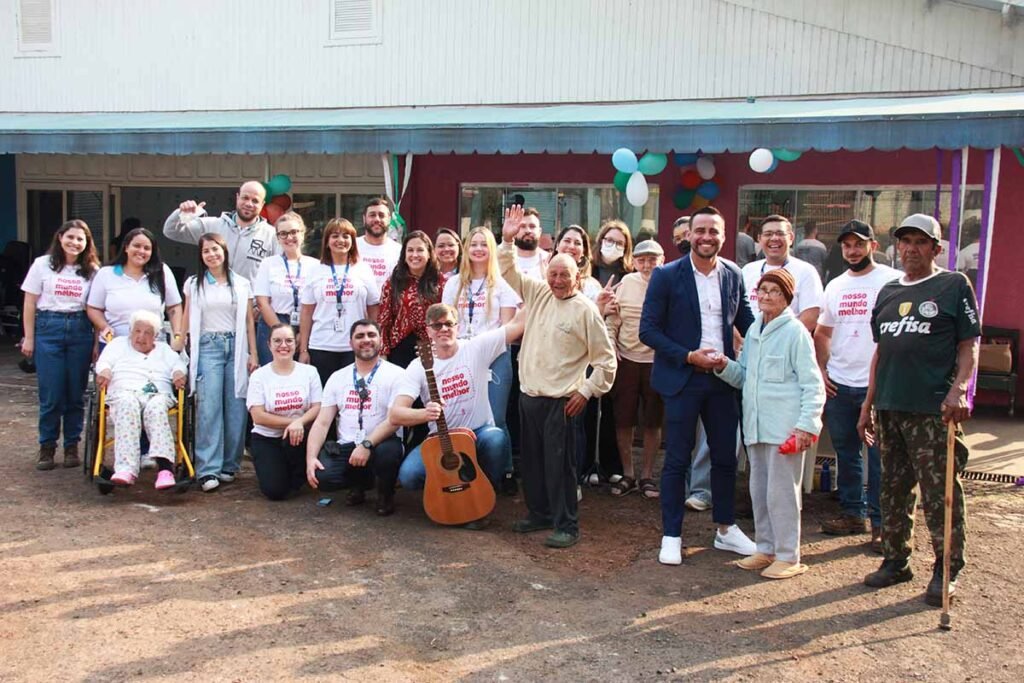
{"x":188,"y":209}
{"x":513,"y":217}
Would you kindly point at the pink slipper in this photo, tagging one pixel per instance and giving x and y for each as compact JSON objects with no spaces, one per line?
{"x":123,"y":478}
{"x":164,"y":480}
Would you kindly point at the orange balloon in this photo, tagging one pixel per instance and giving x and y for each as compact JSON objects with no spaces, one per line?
{"x":273,"y":212}
{"x":282,"y":200}
{"x":691,"y":179}
{"x":699,"y":202}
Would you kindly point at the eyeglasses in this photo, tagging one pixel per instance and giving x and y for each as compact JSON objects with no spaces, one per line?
{"x":282,"y":342}
{"x":769,"y":291}
{"x":287,"y":233}
{"x":771,"y":234}
{"x":613,"y":243}
{"x":444,"y":325}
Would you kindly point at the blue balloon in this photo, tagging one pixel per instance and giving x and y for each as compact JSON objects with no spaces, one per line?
{"x":624,"y":160}
{"x":686,"y":159}
{"x":775,"y":165}
{"x":709,"y":190}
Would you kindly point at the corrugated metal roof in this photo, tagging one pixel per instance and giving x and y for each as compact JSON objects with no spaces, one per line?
{"x":979,"y":120}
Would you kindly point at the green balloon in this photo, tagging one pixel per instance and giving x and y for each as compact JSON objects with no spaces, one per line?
{"x":620,"y":180}
{"x":683,"y":198}
{"x":786,"y":154}
{"x":652,"y":164}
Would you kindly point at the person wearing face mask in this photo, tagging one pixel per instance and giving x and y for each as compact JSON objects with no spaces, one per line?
{"x":844,"y":347}
{"x":681,"y":235}
{"x":616,"y":251}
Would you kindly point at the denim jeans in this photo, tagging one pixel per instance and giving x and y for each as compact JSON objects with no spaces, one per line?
{"x":498,"y":390}
{"x":491,"y":445}
{"x":841,"y":414}
{"x":62,"y":355}
{"x":698,"y":478}
{"x":220,"y":424}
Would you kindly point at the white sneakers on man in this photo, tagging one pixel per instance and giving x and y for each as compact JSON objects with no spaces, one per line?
{"x":671,"y":550}
{"x":734,"y":541}
{"x":697,"y":504}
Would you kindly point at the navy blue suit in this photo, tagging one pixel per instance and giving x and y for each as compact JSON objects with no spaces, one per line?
{"x":671,"y":325}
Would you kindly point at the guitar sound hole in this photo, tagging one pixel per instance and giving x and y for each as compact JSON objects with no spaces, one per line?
{"x":467,"y":472}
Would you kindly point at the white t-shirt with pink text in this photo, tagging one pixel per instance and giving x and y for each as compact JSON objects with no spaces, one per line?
{"x":283,"y":395}
{"x":62,"y":292}
{"x":849,"y":300}
{"x":330,"y":330}
{"x":482,"y":320}
{"x":340,"y":391}
{"x":461,"y":381}
{"x":381,"y":258}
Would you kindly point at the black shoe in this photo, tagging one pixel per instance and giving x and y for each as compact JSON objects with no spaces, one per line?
{"x":562,"y":539}
{"x":529,"y":525}
{"x":385,"y":504}
{"x":355,"y":497}
{"x":889,"y":574}
{"x":477,"y":524}
{"x":933,"y":594}
{"x":509,"y":486}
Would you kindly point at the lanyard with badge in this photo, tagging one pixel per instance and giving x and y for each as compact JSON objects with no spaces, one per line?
{"x":339,"y":321}
{"x":363,"y":391}
{"x":293,"y":283}
{"x":472,"y":302}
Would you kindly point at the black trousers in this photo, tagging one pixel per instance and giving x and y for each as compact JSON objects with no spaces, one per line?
{"x":547,"y":461}
{"x":384,"y":462}
{"x":280,"y":467}
{"x":401,"y":355}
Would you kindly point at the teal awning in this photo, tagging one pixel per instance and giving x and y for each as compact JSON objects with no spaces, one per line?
{"x":984,"y":120}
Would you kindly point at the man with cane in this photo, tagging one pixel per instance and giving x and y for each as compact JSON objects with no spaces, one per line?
{"x":926,"y":325}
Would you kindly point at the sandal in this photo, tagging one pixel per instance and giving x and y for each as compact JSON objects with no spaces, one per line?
{"x":649,"y":488}
{"x":623,"y":486}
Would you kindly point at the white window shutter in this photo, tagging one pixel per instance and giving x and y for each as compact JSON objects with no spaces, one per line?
{"x":37,"y":26}
{"x":355,"y":22}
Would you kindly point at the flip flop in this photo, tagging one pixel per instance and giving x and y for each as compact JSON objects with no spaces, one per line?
{"x":624,"y":486}
{"x":649,"y":488}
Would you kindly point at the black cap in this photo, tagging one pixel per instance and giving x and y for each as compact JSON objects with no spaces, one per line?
{"x":858,"y":228}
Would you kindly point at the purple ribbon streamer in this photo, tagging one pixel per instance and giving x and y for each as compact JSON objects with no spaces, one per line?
{"x":937,"y":211}
{"x":952,"y":235}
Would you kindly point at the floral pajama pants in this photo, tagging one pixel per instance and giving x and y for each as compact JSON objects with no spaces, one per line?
{"x":131,"y":410}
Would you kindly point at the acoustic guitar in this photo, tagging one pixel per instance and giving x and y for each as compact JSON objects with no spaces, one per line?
{"x":457,"y":490}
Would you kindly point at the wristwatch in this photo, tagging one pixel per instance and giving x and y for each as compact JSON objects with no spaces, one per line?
{"x":367,"y":444}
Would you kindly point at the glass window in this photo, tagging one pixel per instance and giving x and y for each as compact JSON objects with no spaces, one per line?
{"x":88,"y":206}
{"x":45,"y":213}
{"x":316,"y":210}
{"x":559,"y":206}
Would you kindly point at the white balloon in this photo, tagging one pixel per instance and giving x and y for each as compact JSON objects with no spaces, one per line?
{"x":636,"y":189}
{"x":761,"y":160}
{"x":706,"y":168}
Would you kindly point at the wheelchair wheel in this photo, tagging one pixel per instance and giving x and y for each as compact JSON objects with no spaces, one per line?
{"x":103,"y":483}
{"x":90,"y":432}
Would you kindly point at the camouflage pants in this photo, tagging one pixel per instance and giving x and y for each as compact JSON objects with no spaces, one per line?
{"x":914,"y":453}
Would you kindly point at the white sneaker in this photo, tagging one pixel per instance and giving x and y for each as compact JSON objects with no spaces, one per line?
{"x":671,"y":550}
{"x":209,"y":483}
{"x":698,"y":504}
{"x":579,"y":493}
{"x":735,"y":541}
{"x":147,"y":463}
{"x":225,"y":477}
{"x":594,"y":479}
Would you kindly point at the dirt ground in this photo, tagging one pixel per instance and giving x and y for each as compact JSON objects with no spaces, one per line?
{"x":228,"y":586}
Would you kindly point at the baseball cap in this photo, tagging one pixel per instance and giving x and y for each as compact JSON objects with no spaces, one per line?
{"x":858,"y":228}
{"x":648,"y":247}
{"x":922,"y":222}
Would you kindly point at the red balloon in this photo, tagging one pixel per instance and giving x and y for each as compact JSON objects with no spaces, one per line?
{"x":282,"y":200}
{"x":263,"y":211}
{"x":273,"y":212}
{"x":691,"y":179}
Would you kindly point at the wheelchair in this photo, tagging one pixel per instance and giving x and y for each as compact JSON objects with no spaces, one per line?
{"x":98,"y":440}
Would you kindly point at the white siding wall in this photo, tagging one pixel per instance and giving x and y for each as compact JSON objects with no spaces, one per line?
{"x":143,"y":55}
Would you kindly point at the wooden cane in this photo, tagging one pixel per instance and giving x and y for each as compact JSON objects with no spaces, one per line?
{"x":947,"y":527}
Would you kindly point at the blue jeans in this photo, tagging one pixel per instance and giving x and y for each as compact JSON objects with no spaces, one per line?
{"x":220,"y":423}
{"x":62,"y":355}
{"x":491,"y":446}
{"x":841,"y":414}
{"x":498,"y":390}
{"x":698,"y":479}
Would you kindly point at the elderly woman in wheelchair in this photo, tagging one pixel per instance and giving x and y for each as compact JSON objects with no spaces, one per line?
{"x":140,"y":375}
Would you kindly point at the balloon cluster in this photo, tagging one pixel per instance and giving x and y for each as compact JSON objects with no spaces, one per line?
{"x":278,"y":200}
{"x":763,"y":160}
{"x":630,"y":172}
{"x":697,"y":187}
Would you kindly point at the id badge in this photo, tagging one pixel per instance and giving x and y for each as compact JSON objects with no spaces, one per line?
{"x":339,"y":325}
{"x":294,"y":319}
{"x":360,"y":436}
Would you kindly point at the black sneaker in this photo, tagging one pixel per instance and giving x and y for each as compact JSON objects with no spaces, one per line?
{"x":933,"y":594}
{"x":509,"y":486}
{"x":889,"y":574}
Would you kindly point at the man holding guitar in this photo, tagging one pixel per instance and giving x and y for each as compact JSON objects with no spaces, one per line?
{"x":565,"y":334}
{"x":460,"y":371}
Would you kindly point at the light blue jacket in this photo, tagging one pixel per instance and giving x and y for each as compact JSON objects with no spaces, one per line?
{"x":781,"y":382}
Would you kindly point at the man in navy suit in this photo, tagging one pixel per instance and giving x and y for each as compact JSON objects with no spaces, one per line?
{"x":691,"y":308}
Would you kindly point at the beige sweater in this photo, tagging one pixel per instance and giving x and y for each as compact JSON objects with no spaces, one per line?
{"x":563,"y":337}
{"x":624,"y":327}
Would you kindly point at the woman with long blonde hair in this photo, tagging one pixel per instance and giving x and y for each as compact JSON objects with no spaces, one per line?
{"x":485,"y":302}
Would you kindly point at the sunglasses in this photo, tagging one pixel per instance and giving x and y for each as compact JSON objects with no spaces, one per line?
{"x":445,"y":325}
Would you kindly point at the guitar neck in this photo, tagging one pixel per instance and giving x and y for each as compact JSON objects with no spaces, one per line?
{"x":442,"y":424}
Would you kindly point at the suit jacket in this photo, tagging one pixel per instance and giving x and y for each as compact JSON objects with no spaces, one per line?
{"x":670,"y":321}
